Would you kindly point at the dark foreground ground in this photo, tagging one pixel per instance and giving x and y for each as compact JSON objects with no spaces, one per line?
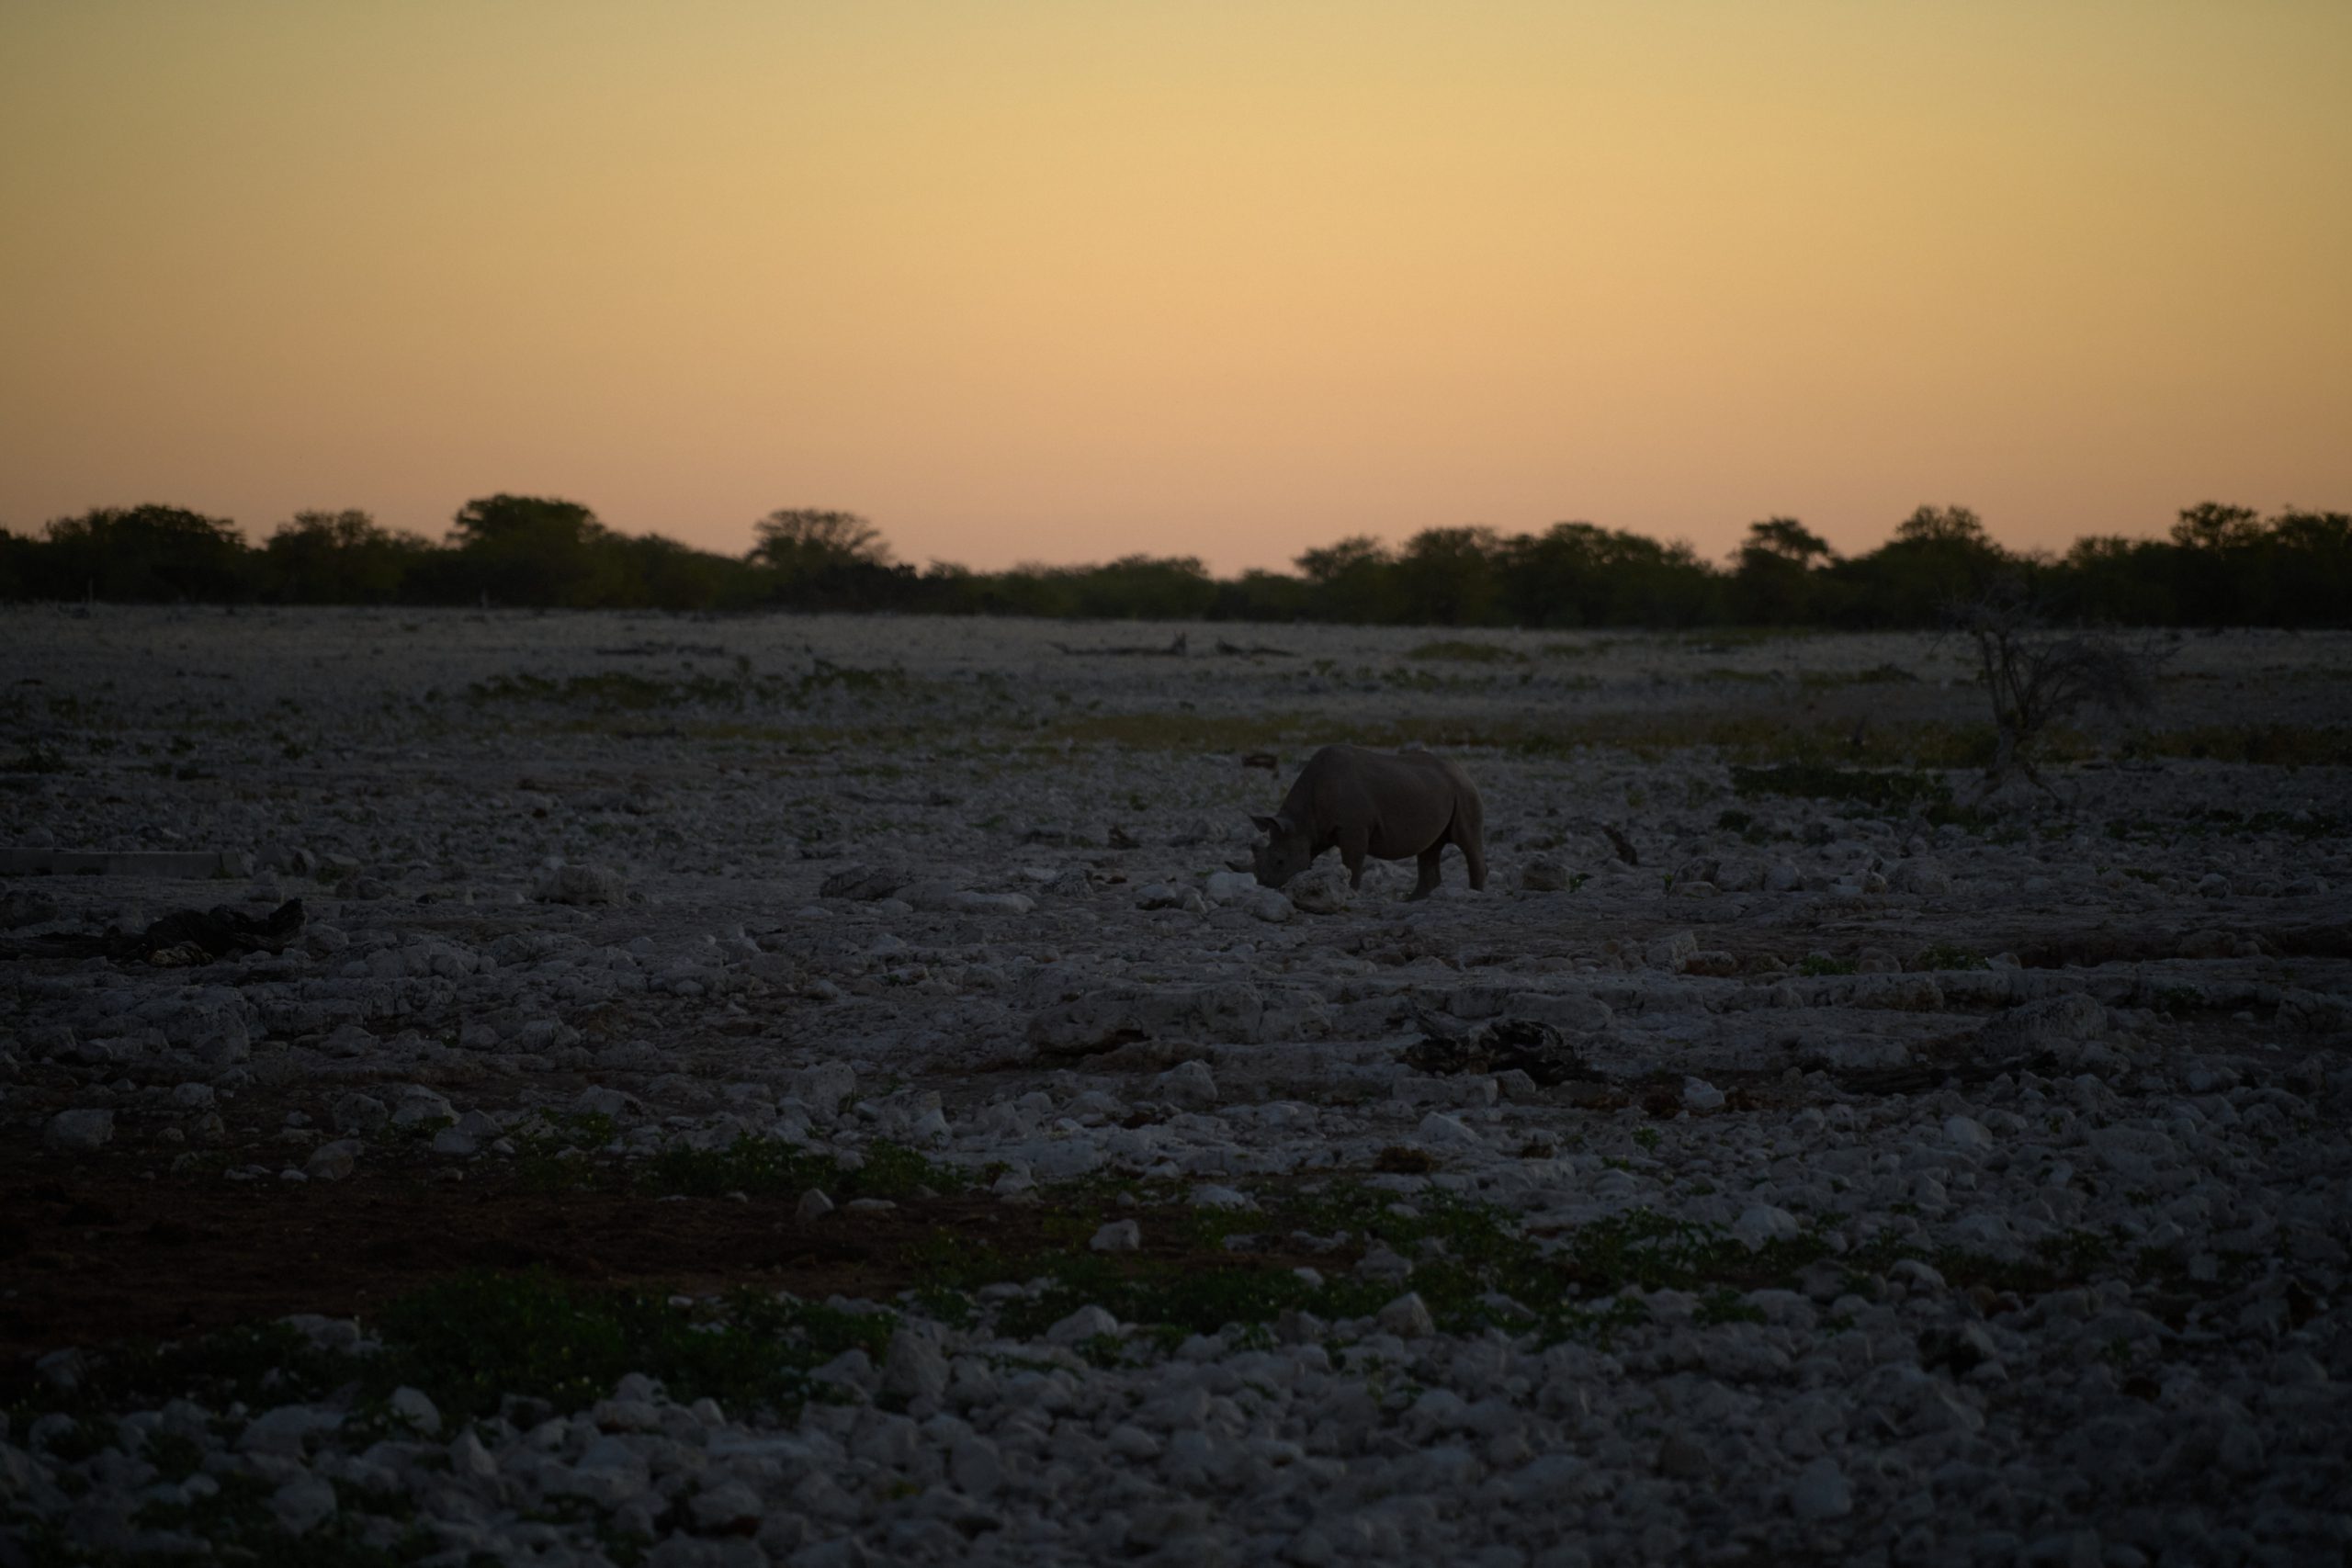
{"x":814,"y":1091}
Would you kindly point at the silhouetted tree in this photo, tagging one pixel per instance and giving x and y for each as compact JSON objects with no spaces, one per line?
{"x":20,"y":558}
{"x":1940,"y":556}
{"x":143,"y":553}
{"x":2036,"y":677}
{"x":1577,"y":574}
{"x":1448,"y":576}
{"x":2117,"y":581}
{"x":801,"y":541}
{"x":1776,"y":574}
{"x":339,"y":557}
{"x":2223,"y":565}
{"x":1949,"y":527}
{"x":2209,"y":525}
{"x":527,"y":550}
{"x":2303,"y":567}
{"x":1262,"y":596}
{"x":1159,"y":588}
{"x":1353,"y":582}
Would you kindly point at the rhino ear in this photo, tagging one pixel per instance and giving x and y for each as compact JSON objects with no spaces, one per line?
{"x":1270,"y":826}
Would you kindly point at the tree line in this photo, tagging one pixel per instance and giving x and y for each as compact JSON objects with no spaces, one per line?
{"x":2218,"y":565}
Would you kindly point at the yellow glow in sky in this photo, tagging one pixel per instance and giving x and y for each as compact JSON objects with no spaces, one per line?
{"x":1061,"y":281}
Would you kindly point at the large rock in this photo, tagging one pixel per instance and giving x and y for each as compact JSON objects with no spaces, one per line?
{"x":914,"y":1369}
{"x":1899,"y":993}
{"x":1507,"y":1045}
{"x":1269,"y":904}
{"x":1323,"y":891}
{"x":862,"y":881}
{"x":947,"y":899}
{"x":1408,"y":1317}
{"x":1821,"y":1493}
{"x":1545,"y":877}
{"x":1571,"y":1013}
{"x":214,"y":1023}
{"x":418,"y":1104}
{"x":1190,"y":1085}
{"x":1670,"y":952}
{"x":286,"y":1430}
{"x":2071,"y":1027}
{"x":1119,"y":1236}
{"x":566,"y":883}
{"x":1086,"y":1323}
{"x":1103,"y":1020}
{"x":824,"y":1088}
{"x":1225,"y":886}
{"x":302,"y":1504}
{"x":1090,"y":1023}
{"x":80,"y":1132}
{"x":1920,"y":877}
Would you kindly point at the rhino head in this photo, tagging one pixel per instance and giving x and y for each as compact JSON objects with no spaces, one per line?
{"x":1286,"y":852}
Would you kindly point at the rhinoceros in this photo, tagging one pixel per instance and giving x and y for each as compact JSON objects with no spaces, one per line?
{"x":1392,"y":806}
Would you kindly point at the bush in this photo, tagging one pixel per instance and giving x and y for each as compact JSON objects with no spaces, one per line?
{"x":154,"y":553}
{"x":2221,"y":565}
{"x":2037,"y":678}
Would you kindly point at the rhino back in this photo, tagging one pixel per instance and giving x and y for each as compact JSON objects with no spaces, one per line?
{"x":1342,"y":783}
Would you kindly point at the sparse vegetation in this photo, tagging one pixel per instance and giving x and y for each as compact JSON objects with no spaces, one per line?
{"x":621,"y":691}
{"x":1870,"y":789}
{"x":772,"y":1168}
{"x":2037,"y":678}
{"x":2220,"y":565}
{"x":476,"y":1338}
{"x":1468,"y":652}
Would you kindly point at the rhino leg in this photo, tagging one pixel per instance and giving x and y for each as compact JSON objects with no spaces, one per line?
{"x":1427,"y":884}
{"x":1468,"y":830}
{"x":1355,"y":843}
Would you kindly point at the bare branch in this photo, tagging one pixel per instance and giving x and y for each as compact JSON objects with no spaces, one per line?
{"x":2037,"y":676}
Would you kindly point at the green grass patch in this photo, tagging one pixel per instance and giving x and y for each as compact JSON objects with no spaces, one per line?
{"x":1749,"y":738}
{"x":239,"y":1525}
{"x":1177,"y":731}
{"x":1763,"y":738}
{"x":2224,"y":822}
{"x":767,"y":1167}
{"x":2260,"y":745}
{"x":34,"y":760}
{"x":622,"y":690}
{"x":551,"y":1152}
{"x":1943,"y":956}
{"x":1462,"y":650}
{"x":1732,"y":639}
{"x":1867,"y":788}
{"x":1877,"y":675}
{"x":1477,"y":1268}
{"x":1744,"y":823}
{"x":472,"y":1339}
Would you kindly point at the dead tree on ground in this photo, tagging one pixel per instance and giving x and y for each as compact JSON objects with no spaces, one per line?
{"x":2037,"y":676}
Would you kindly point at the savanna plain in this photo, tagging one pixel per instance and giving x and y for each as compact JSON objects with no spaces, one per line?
{"x":826,"y":1090}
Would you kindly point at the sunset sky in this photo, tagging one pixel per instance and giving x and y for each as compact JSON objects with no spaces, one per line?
{"x":1062,"y":281}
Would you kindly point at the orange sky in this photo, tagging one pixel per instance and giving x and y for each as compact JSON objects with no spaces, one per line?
{"x":1061,"y":281}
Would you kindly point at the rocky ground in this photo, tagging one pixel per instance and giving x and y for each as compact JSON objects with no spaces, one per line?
{"x":816,"y":1091}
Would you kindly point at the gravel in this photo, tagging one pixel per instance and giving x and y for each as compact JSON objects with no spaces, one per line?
{"x":981,"y":901}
